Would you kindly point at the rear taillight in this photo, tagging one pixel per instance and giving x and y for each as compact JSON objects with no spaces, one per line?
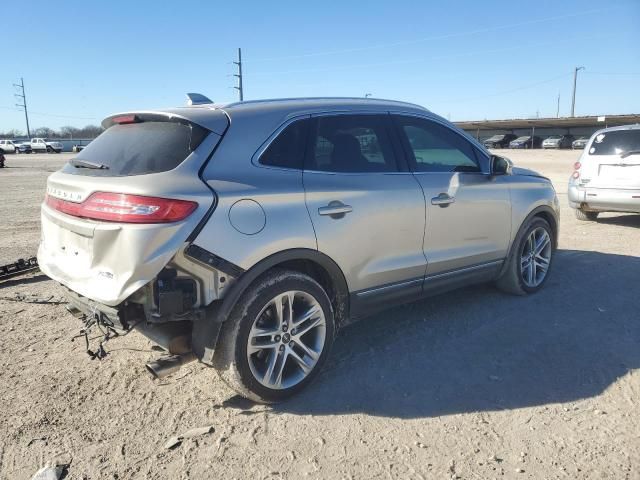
{"x":576,"y":175}
{"x":577,"y":165}
{"x":125,"y":208}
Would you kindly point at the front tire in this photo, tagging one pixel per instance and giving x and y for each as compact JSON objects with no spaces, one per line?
{"x":277,"y":337}
{"x":530,"y":259}
{"x":586,"y":216}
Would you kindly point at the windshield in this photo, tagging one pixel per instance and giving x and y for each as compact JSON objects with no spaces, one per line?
{"x":495,"y":138}
{"x":137,"y":149}
{"x":615,"y":142}
{"x":521,"y":139}
{"x":555,"y":137}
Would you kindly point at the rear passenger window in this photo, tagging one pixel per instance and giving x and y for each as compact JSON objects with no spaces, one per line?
{"x":287,"y":150}
{"x":351,"y":144}
{"x":436,"y":148}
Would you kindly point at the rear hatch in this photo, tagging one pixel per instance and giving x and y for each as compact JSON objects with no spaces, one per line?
{"x":118,"y":211}
{"x":613,"y":160}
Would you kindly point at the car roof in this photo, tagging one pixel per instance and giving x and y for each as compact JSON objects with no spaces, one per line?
{"x":309,"y":104}
{"x":277,"y":110}
{"x":635,"y":126}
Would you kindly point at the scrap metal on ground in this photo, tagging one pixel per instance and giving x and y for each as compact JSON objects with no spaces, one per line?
{"x":18,"y":267}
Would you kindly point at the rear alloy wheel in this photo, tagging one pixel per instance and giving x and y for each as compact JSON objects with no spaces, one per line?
{"x":586,"y":216}
{"x":530,"y":259}
{"x":49,"y":150}
{"x":277,"y":337}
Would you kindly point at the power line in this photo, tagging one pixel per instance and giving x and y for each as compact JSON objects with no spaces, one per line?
{"x":425,"y":59}
{"x":436,"y":37}
{"x":513,"y":90}
{"x":42,"y":114}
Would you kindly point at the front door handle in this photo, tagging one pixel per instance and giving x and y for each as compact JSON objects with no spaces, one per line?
{"x":335,"y":209}
{"x":443,"y":200}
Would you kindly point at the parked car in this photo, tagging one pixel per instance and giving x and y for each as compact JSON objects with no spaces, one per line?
{"x":7,"y":146}
{"x":193,"y":225}
{"x":558,"y":141}
{"x":606,"y":178}
{"x":580,"y":143}
{"x":77,"y":148}
{"x":526,"y":141}
{"x":2,"y":159}
{"x":24,"y":147}
{"x":499,"y":141}
{"x":41,"y":145}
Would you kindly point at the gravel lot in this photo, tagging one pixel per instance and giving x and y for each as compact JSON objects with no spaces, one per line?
{"x":473,"y":384}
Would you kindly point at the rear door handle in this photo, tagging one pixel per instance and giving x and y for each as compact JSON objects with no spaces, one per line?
{"x":335,"y":209}
{"x":443,"y":200}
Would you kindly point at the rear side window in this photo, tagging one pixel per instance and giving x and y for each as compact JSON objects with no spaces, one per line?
{"x":137,"y":149}
{"x":351,"y":144}
{"x":615,"y":142}
{"x":436,"y":148}
{"x":287,"y":150}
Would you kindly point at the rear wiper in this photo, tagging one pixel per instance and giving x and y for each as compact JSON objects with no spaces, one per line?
{"x":629,"y":153}
{"x":86,"y":164}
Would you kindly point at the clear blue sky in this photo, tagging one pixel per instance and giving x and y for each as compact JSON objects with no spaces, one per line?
{"x":462,"y":59}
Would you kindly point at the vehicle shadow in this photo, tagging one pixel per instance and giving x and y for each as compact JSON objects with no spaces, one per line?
{"x":626,"y":220}
{"x":478,"y":349}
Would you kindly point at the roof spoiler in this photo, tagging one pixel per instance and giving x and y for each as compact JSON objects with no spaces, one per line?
{"x":197,"y":99}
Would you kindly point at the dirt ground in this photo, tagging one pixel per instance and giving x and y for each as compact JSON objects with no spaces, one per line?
{"x":474,"y":384}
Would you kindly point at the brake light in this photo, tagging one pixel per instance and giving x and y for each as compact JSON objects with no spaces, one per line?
{"x":124,"y":119}
{"x":577,"y":165}
{"x":125,"y":208}
{"x":576,"y":175}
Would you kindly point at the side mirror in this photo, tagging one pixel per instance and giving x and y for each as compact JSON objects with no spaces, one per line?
{"x":500,"y":165}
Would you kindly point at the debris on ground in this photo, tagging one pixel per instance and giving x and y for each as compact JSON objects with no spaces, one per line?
{"x":176,"y":440}
{"x":50,"y":472}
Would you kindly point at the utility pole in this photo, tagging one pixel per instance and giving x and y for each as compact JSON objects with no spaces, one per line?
{"x":573,"y":99}
{"x":239,"y":74}
{"x":558,"y":107}
{"x":23,"y":105}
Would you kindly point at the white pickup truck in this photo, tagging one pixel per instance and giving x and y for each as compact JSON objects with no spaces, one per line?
{"x":40,"y":145}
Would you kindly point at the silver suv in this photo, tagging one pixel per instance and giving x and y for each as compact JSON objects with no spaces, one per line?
{"x":245,"y":235}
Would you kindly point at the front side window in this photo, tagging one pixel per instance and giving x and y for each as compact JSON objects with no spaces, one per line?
{"x":287,"y":150}
{"x":436,"y":148}
{"x":351,"y":144}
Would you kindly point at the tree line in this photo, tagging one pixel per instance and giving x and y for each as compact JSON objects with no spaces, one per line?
{"x":67,"y":133}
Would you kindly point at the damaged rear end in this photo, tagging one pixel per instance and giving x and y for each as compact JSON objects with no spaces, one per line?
{"x":117,"y":220}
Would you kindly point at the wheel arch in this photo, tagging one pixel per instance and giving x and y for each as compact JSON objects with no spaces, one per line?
{"x":546,"y":213}
{"x":311,"y":262}
{"x":317,"y":265}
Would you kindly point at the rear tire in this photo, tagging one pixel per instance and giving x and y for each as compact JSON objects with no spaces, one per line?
{"x":586,"y":216}
{"x":530,"y":260}
{"x":259,"y":354}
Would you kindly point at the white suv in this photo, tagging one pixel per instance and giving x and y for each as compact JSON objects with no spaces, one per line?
{"x":606,"y":178}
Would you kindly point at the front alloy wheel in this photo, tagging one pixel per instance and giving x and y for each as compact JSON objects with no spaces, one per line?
{"x":535,"y":257}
